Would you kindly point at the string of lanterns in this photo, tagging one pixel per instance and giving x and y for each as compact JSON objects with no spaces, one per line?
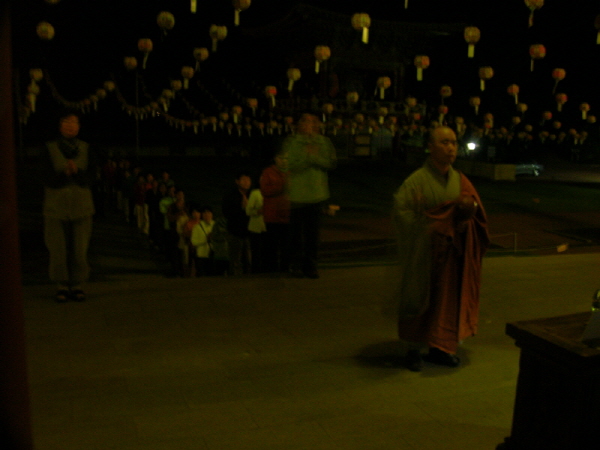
{"x":359,"y":21}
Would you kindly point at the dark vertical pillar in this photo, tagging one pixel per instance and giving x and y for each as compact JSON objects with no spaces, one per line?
{"x":15,"y":425}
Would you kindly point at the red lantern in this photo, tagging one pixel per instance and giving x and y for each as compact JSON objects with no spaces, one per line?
{"x":547,"y":115}
{"x":322,"y":53}
{"x":472,"y":35}
{"x":533,"y":5}
{"x":485,"y":73}
{"x":558,"y":75}
{"x":270,"y":93}
{"x":584,"y":108}
{"x":382,"y":84}
{"x":513,"y":90}
{"x":293,"y":76}
{"x":421,"y":62}
{"x":561,"y":99}
{"x":475,"y":102}
{"x":165,"y":21}
{"x":45,"y":31}
{"x":217,"y":33}
{"x":362,"y":21}
{"x":536,"y":51}
{"x":239,"y":6}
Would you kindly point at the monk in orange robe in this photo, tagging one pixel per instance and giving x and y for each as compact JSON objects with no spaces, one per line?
{"x":442,"y":235}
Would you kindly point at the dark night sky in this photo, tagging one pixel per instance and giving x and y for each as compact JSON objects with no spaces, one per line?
{"x":93,"y":36}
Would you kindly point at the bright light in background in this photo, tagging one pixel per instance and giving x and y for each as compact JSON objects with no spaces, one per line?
{"x":471,"y":146}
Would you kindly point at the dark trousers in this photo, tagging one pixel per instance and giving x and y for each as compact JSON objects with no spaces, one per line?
{"x":68,"y":242}
{"x":305,"y":222}
{"x":276,"y":250}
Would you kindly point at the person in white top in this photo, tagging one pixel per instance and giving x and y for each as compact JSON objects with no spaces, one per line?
{"x":257,"y":228}
{"x":200,"y":240}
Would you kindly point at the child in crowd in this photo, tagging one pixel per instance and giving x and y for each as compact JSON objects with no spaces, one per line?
{"x":201,"y":241}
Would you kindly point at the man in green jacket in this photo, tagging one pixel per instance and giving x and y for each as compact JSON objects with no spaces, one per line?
{"x":310,"y":156}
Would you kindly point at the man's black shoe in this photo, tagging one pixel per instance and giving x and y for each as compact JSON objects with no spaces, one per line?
{"x":437,"y":356}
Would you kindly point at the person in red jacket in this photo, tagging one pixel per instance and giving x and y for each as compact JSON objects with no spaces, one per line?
{"x":276,"y":213}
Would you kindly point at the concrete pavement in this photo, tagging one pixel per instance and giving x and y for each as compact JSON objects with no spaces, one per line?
{"x":267,"y":362}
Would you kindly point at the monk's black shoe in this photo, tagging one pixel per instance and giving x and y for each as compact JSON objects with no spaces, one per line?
{"x":414,"y":361}
{"x":439,"y":357}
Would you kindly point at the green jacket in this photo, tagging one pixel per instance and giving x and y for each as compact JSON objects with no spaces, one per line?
{"x":309,"y":159}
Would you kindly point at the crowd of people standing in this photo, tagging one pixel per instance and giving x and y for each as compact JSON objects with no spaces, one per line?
{"x":269,"y":223}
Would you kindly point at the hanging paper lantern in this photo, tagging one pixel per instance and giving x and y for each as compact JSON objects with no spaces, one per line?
{"x":536,"y":51}
{"x":270,"y":93}
{"x":591,"y":119}
{"x":546,"y":115}
{"x":421,"y":62}
{"x":558,"y":75}
{"x":293,"y":75}
{"x":442,"y":111}
{"x":381,"y":113}
{"x":36,"y":74}
{"x":352,"y":97}
{"x":445,"y":92}
{"x":522,"y":107}
{"x":165,"y":21}
{"x":488,"y":122}
{"x":236,"y":112}
{"x":362,"y":21}
{"x":485,"y":73}
{"x":472,"y":36}
{"x":130,"y":62}
{"x":382,"y":84}
{"x":322,"y":53}
{"x":33,"y":91}
{"x":187,"y":72}
{"x":45,"y":31}
{"x":200,"y":55}
{"x":101,"y":93}
{"x":513,"y":90}
{"x":239,"y":6}
{"x":252,"y":104}
{"x":584,"y":108}
{"x":475,"y":102}
{"x":597,"y":25}
{"x":145,"y":46}
{"x":217,"y":33}
{"x":327,"y":109}
{"x":109,"y":85}
{"x":176,"y":85}
{"x":533,"y":5}
{"x":561,"y":99}
{"x":411,"y":102}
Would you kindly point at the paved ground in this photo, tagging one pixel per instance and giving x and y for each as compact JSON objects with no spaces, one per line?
{"x":266,"y":362}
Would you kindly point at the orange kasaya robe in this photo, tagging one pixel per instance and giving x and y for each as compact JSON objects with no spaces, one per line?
{"x":441,"y":272}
